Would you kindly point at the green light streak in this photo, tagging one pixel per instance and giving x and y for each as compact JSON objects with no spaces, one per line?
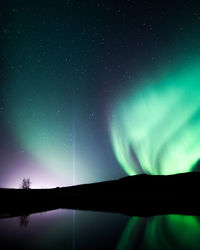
{"x":37,"y":119}
{"x":41,"y":120}
{"x":160,"y":123}
{"x":172,"y":232}
{"x":161,"y":232}
{"x":186,"y":229}
{"x":129,"y":235}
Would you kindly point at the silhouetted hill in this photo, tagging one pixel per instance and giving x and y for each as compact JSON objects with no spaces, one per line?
{"x":140,"y":195}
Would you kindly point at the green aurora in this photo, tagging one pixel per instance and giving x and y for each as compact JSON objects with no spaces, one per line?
{"x":155,"y":128}
{"x":161,"y":232}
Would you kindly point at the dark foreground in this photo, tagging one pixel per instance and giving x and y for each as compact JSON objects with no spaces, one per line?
{"x":141,"y":195}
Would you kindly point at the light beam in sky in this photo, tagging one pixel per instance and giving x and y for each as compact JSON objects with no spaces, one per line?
{"x":155,"y":128}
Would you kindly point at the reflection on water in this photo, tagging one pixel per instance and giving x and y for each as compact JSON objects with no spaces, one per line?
{"x":24,"y":220}
{"x":59,"y":230}
{"x":67,"y":229}
{"x":161,"y":232}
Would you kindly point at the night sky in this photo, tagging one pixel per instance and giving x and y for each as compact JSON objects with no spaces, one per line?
{"x":95,"y":90}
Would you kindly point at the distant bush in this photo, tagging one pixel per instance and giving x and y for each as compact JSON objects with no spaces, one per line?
{"x":26,"y":183}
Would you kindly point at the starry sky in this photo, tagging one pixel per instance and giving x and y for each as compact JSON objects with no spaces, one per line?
{"x":87,"y":88}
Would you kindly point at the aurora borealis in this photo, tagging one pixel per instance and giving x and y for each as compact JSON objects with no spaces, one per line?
{"x":166,"y":232}
{"x":156,"y":129}
{"x":52,"y":96}
{"x":95,"y":90}
{"x":87,"y":87}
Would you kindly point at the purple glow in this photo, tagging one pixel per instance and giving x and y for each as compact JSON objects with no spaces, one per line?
{"x":39,"y":175}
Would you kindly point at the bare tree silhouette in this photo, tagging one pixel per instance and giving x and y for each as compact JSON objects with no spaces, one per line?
{"x":26,"y":183}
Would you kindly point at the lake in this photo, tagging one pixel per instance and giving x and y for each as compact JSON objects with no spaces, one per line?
{"x":77,"y":230}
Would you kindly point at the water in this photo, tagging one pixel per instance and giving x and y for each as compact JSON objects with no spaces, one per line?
{"x":77,"y":230}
